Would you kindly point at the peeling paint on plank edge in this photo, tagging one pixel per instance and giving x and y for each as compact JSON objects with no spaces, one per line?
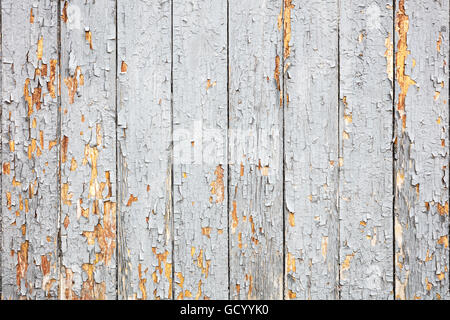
{"x":89,"y":243}
{"x":283,"y":104}
{"x":116,"y":106}
{"x":419,"y":271}
{"x":58,"y":147}
{"x":36,"y":163}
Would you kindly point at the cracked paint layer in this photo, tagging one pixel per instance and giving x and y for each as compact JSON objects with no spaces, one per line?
{"x":29,"y":122}
{"x":145,"y":178}
{"x":88,"y":217}
{"x":421,"y":152}
{"x":365,"y":181}
{"x":199,"y":155}
{"x":311,"y":148}
{"x":59,"y":212}
{"x":28,"y":285}
{"x":255,"y":151}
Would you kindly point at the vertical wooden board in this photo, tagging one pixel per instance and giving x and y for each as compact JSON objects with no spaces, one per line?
{"x":200,"y":136}
{"x":88,"y":152}
{"x":144,"y":132}
{"x":256,"y":149}
{"x":365,"y":188}
{"x":311,"y":149}
{"x":421,"y":159}
{"x":29,"y":154}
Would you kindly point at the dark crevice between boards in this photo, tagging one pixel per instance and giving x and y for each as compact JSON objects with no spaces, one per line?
{"x":284,"y":105}
{"x":448,"y":108}
{"x":393,"y":145}
{"x":172,"y":206}
{"x":339,"y":152}
{"x":228,"y":150}
{"x":58,"y":150}
{"x":118,"y":215}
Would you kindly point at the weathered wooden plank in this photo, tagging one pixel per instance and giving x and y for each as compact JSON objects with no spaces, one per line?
{"x":365,"y":184}
{"x":144,"y":133}
{"x":88,"y":153}
{"x":256,"y":167}
{"x":311,"y":148}
{"x":29,"y":149}
{"x":200,"y":136}
{"x":421,"y":158}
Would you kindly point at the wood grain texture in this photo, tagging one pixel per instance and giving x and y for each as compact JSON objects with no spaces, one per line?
{"x":256,"y":149}
{"x":200,"y":136}
{"x":29,"y":163}
{"x":311,"y":149}
{"x":144,"y":133}
{"x":88,"y":150}
{"x":422,"y":157}
{"x":277,"y":149}
{"x":365,"y":187}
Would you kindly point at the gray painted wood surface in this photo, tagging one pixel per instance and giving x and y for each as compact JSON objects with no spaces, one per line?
{"x":30,"y":163}
{"x":256,"y":149}
{"x":199,"y":156}
{"x":311,"y":149}
{"x":88,"y":150}
{"x":277,"y":149}
{"x":365,"y":128}
{"x":421,"y":150}
{"x":144,"y":155}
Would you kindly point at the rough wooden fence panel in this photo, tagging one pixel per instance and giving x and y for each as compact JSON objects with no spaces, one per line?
{"x":200,"y":137}
{"x":256,"y":169}
{"x":88,"y":150}
{"x":422,"y":154}
{"x":365,"y":124}
{"x":144,"y":161}
{"x":278,"y":149}
{"x":311,"y":148}
{"x":29,"y":150}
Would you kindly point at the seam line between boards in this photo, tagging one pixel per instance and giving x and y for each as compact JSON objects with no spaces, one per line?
{"x":393,"y":146}
{"x":339,"y":154}
{"x":172,"y":200}
{"x":118,"y":212}
{"x":283,"y":106}
{"x":58,"y":150}
{"x":228,"y":151}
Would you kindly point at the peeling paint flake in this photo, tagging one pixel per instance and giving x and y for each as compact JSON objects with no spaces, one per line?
{"x":217,"y":186}
{"x":402,"y":53}
{"x":288,"y":6}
